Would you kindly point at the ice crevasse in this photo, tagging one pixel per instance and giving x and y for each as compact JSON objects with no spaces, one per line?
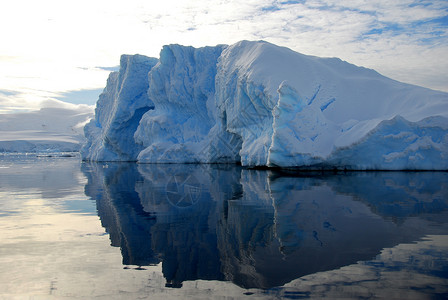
{"x":259,"y":104}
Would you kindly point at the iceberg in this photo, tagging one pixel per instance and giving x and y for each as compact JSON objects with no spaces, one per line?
{"x":182,"y":88}
{"x":118,"y":112}
{"x":261,"y":105}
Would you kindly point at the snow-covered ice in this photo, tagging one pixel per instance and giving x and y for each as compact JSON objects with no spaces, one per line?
{"x":49,"y":129}
{"x":259,"y":104}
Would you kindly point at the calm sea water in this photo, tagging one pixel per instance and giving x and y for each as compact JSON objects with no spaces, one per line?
{"x":126,"y":231}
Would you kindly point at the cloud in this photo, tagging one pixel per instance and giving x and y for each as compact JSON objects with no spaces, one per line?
{"x":20,"y":101}
{"x":47,"y":43}
{"x":86,"y":96}
{"x":401,"y":39}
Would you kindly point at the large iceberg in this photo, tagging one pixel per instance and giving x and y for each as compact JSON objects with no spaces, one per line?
{"x":259,"y":104}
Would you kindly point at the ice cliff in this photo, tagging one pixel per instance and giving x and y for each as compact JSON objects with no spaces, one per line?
{"x":259,"y":104}
{"x":110,"y":135}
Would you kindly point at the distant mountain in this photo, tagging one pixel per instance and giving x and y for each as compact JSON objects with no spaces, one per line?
{"x":45,"y":130}
{"x":259,"y":104}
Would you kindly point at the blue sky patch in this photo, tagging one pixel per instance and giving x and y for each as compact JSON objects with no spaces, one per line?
{"x":111,"y":69}
{"x":9,"y":93}
{"x":270,"y":8}
{"x":88,"y":96}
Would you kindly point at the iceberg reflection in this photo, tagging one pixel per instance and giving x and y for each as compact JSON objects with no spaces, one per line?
{"x":260,"y":229}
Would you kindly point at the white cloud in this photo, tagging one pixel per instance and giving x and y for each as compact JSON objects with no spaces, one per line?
{"x":50,"y":47}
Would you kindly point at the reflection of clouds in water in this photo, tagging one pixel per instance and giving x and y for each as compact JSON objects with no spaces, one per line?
{"x":51,"y":177}
{"x":55,"y":182}
{"x":407,"y":271}
{"x":259,"y":228}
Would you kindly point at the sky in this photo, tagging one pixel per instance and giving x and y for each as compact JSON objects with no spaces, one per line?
{"x":57,"y":53}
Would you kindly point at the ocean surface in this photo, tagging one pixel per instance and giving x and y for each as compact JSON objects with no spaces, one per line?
{"x":135,"y":231}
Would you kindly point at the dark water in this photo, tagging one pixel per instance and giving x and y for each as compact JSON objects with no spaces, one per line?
{"x":126,"y":231}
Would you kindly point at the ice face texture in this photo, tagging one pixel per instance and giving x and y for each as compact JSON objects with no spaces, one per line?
{"x":182,"y":88}
{"x":110,"y":135}
{"x":258,"y":104}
